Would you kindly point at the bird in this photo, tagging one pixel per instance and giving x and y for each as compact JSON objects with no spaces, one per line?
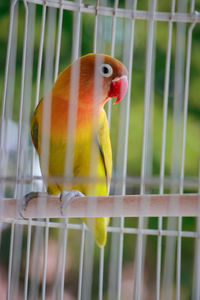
{"x":70,"y":132}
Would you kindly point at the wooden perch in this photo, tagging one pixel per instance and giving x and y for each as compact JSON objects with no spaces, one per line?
{"x":113,"y":206}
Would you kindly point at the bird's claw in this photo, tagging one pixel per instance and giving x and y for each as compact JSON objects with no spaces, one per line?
{"x":65,"y":198}
{"x":26,"y":199}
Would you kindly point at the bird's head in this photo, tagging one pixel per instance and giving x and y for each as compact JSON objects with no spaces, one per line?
{"x":114,"y":75}
{"x":93,"y":79}
{"x":106,"y":76}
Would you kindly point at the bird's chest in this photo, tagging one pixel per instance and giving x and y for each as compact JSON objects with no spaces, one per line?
{"x":76,"y":154}
{"x":70,"y":142}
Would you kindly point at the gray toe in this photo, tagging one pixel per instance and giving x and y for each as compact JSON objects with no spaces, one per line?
{"x":65,"y":198}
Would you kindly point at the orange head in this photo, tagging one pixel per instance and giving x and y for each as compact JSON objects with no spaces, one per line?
{"x":92,"y":79}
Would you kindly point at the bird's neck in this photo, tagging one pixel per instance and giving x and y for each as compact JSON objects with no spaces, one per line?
{"x":88,"y":114}
{"x":62,"y":111}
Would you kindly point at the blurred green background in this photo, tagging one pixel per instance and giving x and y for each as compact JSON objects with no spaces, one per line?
{"x":134,"y":159}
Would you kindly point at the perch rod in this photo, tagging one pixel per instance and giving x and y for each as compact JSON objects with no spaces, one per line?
{"x":113,"y":206}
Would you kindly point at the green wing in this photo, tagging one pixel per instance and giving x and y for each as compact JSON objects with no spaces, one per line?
{"x":34,"y":132}
{"x":105,"y":147}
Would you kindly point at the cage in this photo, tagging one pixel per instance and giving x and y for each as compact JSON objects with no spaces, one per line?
{"x":153,"y":243}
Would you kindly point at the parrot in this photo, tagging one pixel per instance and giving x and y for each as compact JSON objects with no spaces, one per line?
{"x":78,"y":96}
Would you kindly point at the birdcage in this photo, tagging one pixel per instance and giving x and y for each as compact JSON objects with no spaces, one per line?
{"x":153,"y":243}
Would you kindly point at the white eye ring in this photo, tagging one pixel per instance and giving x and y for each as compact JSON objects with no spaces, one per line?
{"x":106,"y":70}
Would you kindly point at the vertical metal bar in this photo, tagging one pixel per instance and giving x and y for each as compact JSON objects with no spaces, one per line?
{"x":81,"y":262}
{"x":145,"y":160}
{"x":45,"y":259}
{"x":101,"y":269}
{"x":169,"y":263}
{"x":7,"y":125}
{"x":73,"y":94}
{"x":158,"y":263}
{"x":76,"y":32}
{"x":38,"y":232}
{"x":185,"y":110}
{"x":25,"y":160}
{"x":47,"y":99}
{"x":117,"y":253}
{"x":163,"y":147}
{"x":125,"y":152}
{"x":10,"y":260}
{"x":88,"y":267}
{"x":58,"y":39}
{"x":64,"y":252}
{"x":56,"y":285}
{"x":185,"y":113}
{"x":36,"y":257}
{"x":178,"y":87}
{"x":16,"y":261}
{"x":72,"y":117}
{"x":28,"y":246}
{"x":112,"y":52}
{"x":39,"y":66}
{"x":38,"y":80}
{"x":166,"y":96}
{"x":49,"y":49}
{"x":10,"y":34}
{"x":17,"y":242}
{"x":18,"y":169}
{"x":101,"y":263}
{"x":74,"y":81}
{"x":121,"y":245}
{"x":89,"y":250}
{"x":149,"y":56}
{"x":48,"y":78}
{"x":196,"y":274}
{"x":95,"y":28}
{"x":71,"y":122}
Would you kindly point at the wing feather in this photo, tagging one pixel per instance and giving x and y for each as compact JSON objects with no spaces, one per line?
{"x":34,"y":131}
{"x":104,"y":145}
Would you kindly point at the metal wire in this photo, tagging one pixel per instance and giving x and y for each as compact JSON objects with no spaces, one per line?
{"x":163,"y":150}
{"x":123,"y":13}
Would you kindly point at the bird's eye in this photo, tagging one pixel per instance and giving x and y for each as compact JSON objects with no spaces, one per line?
{"x":106,"y":70}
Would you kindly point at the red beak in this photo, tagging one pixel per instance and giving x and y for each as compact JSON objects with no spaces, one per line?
{"x":118,"y":88}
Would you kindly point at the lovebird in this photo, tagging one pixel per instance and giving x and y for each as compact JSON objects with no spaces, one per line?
{"x":70,"y":132}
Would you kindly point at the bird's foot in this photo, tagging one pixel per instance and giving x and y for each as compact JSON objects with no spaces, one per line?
{"x":65,"y":198}
{"x":27,"y":198}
